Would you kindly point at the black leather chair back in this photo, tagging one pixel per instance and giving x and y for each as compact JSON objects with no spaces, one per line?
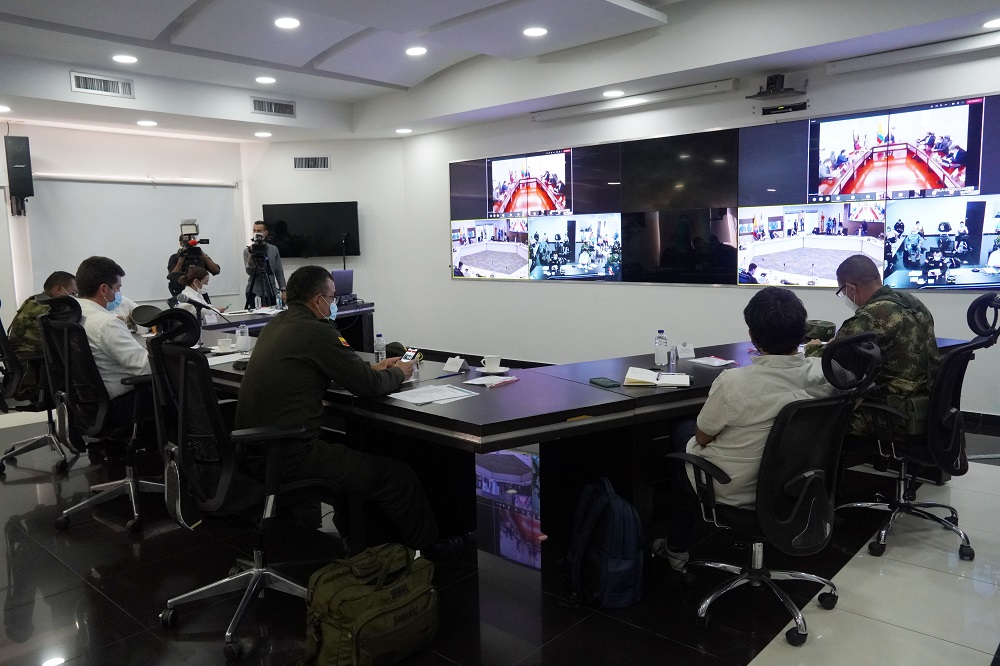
{"x":73,"y":374}
{"x":11,"y":370}
{"x":798,"y":469}
{"x":173,"y":327}
{"x":207,"y":456}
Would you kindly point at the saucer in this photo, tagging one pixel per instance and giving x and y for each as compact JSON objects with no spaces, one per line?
{"x":498,"y":371}
{"x":216,"y":350}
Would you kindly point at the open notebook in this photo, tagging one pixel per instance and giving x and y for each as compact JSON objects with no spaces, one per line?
{"x":643,"y":377}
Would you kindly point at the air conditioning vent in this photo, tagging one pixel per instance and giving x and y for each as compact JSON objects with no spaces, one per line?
{"x":96,"y":84}
{"x":311,"y":163}
{"x":274,"y":107}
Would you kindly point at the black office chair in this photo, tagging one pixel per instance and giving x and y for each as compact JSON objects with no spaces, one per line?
{"x":943,"y":444}
{"x":77,"y":386}
{"x":202,"y":464}
{"x":795,"y":487}
{"x":12,"y":372}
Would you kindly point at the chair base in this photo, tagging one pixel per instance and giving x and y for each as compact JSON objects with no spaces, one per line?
{"x":253,"y":580}
{"x":919,"y":509}
{"x":130,"y":485}
{"x":757,"y":574}
{"x":49,"y":439}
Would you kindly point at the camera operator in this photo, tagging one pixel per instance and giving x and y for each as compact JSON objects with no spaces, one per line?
{"x":262,"y":262}
{"x":187,"y":257}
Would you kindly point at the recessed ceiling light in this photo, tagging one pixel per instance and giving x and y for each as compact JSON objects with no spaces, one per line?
{"x":614,"y":93}
{"x":147,"y":123}
{"x":287,"y":23}
{"x":125,"y":59}
{"x":403,"y":130}
{"x":4,"y":109}
{"x":995,"y":23}
{"x":615,"y":183}
{"x":265,"y":79}
{"x":262,"y":135}
{"x":416,"y":51}
{"x":535,"y":32}
{"x":771,"y":189}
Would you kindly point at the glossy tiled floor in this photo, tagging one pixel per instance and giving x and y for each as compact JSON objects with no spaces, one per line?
{"x":91,"y":595}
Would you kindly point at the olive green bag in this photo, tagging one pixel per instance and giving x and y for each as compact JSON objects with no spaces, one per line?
{"x":375,"y":608}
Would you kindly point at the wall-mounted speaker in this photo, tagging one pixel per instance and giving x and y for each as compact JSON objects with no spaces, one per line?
{"x":18,"y":167}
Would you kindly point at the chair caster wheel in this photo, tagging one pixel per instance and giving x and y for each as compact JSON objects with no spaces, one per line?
{"x":966,"y":552}
{"x":12,"y":461}
{"x":877,"y":549}
{"x":168,"y":618}
{"x":62,"y":466}
{"x":794,"y":637}
{"x":10,"y":450}
{"x":62,"y":523}
{"x":236,"y":570}
{"x":702,"y":622}
{"x":952,"y":519}
{"x":3,"y":468}
{"x":134,"y":526}
{"x":828,"y":600}
{"x":233,"y":651}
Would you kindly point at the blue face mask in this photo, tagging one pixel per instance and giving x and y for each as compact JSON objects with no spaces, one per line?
{"x":115,"y":303}
{"x":333,"y":310}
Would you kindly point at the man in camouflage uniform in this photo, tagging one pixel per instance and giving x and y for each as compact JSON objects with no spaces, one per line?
{"x":905,"y":334}
{"x":26,"y":335}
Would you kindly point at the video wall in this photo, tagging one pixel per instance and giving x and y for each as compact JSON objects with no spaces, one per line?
{"x":915,"y":188}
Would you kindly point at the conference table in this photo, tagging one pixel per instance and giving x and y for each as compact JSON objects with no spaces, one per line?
{"x":518,"y":454}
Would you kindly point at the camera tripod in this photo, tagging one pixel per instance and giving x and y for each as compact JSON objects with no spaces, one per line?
{"x":261,"y":279}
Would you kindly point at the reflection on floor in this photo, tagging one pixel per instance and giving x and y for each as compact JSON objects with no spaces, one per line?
{"x":91,"y":594}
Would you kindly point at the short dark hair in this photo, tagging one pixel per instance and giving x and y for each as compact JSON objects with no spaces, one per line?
{"x":263,"y":223}
{"x":95,"y":271}
{"x":306,"y":282}
{"x":858,"y":269}
{"x":752,"y":267}
{"x":776,"y":319}
{"x":56,"y":280}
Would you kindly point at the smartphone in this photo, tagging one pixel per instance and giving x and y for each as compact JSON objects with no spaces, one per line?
{"x":604,"y":382}
{"x":411,"y":353}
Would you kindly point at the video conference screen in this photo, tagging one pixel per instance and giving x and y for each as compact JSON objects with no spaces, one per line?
{"x":916,"y":189}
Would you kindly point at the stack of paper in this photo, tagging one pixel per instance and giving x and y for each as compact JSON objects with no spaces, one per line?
{"x":713,"y":361}
{"x":643,"y":377}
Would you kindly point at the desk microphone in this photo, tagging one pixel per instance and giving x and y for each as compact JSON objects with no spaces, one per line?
{"x":184,"y":298}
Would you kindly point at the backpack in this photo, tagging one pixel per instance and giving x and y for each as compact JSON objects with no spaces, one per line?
{"x":605,"y":557}
{"x":377,"y":607}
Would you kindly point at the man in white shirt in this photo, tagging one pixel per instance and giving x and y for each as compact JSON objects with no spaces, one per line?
{"x":117,"y":354}
{"x":735,"y":421}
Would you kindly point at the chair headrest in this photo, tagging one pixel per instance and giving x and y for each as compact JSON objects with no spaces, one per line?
{"x":63,"y":308}
{"x":175,"y":326}
{"x":144,"y":313}
{"x":984,"y":316}
{"x":858,"y":355}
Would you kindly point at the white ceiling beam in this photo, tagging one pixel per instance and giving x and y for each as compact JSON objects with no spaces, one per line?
{"x":642,"y":9}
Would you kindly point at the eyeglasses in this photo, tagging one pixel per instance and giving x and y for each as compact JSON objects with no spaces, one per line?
{"x":329,"y":299}
{"x":840,"y":292}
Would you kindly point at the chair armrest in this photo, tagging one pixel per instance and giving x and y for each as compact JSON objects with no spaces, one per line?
{"x":265,"y":433}
{"x":711,"y":469}
{"x":879,"y":407}
{"x":138,"y":380}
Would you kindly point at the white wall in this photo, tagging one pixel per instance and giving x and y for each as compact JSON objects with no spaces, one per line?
{"x":68,"y":151}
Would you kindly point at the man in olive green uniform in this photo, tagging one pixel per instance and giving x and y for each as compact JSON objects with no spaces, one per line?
{"x":905,"y":334}
{"x":297,"y":354}
{"x":26,"y":335}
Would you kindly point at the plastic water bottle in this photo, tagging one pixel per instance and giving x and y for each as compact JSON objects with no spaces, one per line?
{"x":242,"y":338}
{"x":379,"y":348}
{"x":256,"y":302}
{"x":661,"y":348}
{"x":280,"y":304}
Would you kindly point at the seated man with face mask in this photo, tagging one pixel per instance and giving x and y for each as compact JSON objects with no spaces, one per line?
{"x":905,"y":335}
{"x":117,"y":354}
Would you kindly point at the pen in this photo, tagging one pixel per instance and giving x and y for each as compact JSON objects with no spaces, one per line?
{"x":450,"y":374}
{"x":511,"y":380}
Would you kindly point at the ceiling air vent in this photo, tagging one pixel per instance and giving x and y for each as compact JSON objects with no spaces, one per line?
{"x":311,"y":163}
{"x":274,"y":107}
{"x":101,"y":85}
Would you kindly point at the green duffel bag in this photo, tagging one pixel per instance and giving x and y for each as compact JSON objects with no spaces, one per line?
{"x":375,"y":608}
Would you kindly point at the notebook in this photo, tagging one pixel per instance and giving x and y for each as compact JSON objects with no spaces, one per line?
{"x":643,"y":377}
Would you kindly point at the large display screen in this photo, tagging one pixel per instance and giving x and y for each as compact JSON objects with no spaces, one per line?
{"x":915,"y":188}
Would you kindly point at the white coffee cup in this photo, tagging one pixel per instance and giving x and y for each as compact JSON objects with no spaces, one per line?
{"x":225,"y":344}
{"x":491,"y":363}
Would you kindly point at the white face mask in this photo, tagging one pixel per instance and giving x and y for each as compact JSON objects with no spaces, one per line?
{"x":851,"y":305}
{"x":203,"y":289}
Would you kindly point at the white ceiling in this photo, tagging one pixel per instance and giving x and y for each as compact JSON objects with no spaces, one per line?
{"x":346,"y":68}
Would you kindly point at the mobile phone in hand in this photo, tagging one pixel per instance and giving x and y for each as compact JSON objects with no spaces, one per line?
{"x":411,"y":354}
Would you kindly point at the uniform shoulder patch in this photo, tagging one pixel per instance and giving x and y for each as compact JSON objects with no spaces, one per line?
{"x":343,"y":341}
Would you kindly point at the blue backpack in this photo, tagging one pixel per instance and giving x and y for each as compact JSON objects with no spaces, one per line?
{"x":606,"y":554}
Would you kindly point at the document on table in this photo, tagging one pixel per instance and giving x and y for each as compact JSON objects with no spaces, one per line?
{"x":437,"y":394}
{"x":225,"y":358}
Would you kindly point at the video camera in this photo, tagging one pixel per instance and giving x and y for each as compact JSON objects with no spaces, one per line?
{"x":189,"y":237}
{"x":258,"y":246}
